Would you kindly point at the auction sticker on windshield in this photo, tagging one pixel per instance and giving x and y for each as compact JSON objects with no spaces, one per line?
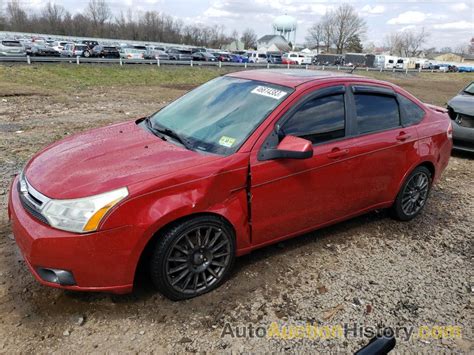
{"x":227,"y":141}
{"x":268,"y":92}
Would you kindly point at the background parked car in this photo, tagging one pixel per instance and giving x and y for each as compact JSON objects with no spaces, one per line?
{"x":105,"y":52}
{"x":461,"y":111}
{"x":131,"y":53}
{"x":156,"y":54}
{"x":141,"y":49}
{"x":179,"y":54}
{"x":256,"y":57}
{"x":73,"y":50}
{"x":58,"y":46}
{"x":42,"y":50}
{"x":274,"y":58}
{"x":285,"y":59}
{"x":9,"y":48}
{"x":223,"y":57}
{"x":299,"y":58}
{"x":237,"y":58}
{"x":204,"y":57}
{"x":90,"y":44}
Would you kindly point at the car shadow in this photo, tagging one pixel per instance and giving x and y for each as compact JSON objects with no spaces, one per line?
{"x":462,"y":154}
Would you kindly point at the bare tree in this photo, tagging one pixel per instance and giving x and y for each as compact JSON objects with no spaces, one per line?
{"x":347,"y":24}
{"x":99,"y":13}
{"x":17,"y":18}
{"x":413,"y":41}
{"x":53,"y":16}
{"x":407,"y":43}
{"x":327,"y":23}
{"x":315,"y":36}
{"x":249,"y":38}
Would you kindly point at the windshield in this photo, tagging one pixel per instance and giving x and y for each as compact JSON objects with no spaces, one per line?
{"x":470,"y":88}
{"x":220,"y":115}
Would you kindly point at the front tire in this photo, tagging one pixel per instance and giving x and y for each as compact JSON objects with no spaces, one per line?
{"x":413,"y":195}
{"x":193,"y":257}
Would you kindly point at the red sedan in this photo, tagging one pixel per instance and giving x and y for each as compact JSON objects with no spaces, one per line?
{"x":243,"y":161}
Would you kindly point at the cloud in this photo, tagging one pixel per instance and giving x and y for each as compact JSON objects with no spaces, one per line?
{"x":215,"y":12}
{"x":459,"y":7}
{"x":458,"y":25}
{"x":376,"y":9}
{"x":408,"y":18}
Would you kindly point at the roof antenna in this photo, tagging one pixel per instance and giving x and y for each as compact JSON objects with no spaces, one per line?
{"x":353,"y":68}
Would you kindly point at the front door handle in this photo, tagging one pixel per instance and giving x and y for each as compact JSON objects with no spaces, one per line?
{"x":337,"y":153}
{"x":403,"y":136}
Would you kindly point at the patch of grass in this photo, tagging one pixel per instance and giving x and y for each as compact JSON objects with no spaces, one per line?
{"x":68,"y":76}
{"x":435,"y":88}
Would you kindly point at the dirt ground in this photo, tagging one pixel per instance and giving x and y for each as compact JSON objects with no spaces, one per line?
{"x":370,"y":270}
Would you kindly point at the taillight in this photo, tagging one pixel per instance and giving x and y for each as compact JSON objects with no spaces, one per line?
{"x":449,"y":132}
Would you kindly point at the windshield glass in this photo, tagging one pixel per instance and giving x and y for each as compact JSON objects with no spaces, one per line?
{"x":470,"y":88}
{"x":219,"y":116}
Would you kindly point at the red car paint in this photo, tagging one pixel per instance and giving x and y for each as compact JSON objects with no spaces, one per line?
{"x":166,"y":182}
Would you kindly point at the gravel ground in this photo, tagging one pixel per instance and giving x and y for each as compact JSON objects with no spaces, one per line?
{"x":371,"y":270}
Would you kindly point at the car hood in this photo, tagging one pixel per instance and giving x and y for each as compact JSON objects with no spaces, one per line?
{"x":105,"y":159}
{"x":463,"y":103}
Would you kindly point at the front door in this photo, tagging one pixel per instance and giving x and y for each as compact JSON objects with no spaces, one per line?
{"x":290,"y":196}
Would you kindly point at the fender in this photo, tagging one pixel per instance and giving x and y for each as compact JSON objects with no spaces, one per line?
{"x":218,"y":189}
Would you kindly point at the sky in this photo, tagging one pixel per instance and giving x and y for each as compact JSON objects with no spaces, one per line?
{"x":449,"y":22}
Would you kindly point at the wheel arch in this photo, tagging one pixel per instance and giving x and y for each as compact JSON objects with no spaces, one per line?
{"x":148,"y":248}
{"x":426,"y":163}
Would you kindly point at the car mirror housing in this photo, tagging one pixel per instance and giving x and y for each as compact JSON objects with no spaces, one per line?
{"x":290,"y":147}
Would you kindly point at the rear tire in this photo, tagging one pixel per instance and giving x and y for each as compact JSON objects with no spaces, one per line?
{"x":413,"y":195}
{"x":192,"y":257}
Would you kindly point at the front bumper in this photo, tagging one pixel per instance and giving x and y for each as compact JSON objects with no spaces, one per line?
{"x":463,"y":137}
{"x":99,"y":261}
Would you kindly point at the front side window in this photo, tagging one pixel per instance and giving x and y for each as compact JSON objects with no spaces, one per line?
{"x":376,"y":112}
{"x":220,"y":115}
{"x":318,"y":120}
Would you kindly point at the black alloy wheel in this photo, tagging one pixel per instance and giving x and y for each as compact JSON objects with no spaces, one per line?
{"x":193,"y":258}
{"x":413,"y":195}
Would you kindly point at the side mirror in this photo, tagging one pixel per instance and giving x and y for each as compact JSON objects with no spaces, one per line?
{"x":290,"y":147}
{"x":378,"y":346}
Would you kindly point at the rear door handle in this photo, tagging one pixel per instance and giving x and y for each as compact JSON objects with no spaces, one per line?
{"x":403,"y":136}
{"x":337,"y":153}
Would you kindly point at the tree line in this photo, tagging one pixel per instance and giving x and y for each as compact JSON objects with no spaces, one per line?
{"x":97,"y":20}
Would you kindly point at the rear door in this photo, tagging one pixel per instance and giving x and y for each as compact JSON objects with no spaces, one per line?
{"x":382,"y":146}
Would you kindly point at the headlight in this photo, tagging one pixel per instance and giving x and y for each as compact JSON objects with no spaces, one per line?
{"x":82,"y":215}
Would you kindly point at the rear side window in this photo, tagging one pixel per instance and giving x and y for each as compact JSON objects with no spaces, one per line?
{"x":318,"y":120}
{"x":376,"y":112}
{"x":412,"y":113}
{"x":11,"y":44}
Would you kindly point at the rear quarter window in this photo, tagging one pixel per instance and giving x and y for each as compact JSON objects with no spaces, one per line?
{"x":411,"y":112}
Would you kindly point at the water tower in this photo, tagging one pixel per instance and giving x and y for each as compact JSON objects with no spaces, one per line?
{"x":286,"y":26}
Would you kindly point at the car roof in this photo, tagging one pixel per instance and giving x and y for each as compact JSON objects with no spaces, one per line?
{"x":288,"y":77}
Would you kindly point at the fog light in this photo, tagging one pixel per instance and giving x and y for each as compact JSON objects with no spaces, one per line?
{"x":57,"y":276}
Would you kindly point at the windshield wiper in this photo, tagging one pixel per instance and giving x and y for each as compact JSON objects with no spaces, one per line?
{"x":168,"y":132}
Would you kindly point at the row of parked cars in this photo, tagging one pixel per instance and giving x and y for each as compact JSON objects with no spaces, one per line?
{"x":94,"y":49}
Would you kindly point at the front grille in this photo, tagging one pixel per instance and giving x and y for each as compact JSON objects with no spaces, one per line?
{"x":31,"y":205}
{"x":465,"y":120}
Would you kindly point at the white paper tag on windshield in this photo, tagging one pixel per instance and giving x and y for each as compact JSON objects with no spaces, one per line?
{"x":268,"y":92}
